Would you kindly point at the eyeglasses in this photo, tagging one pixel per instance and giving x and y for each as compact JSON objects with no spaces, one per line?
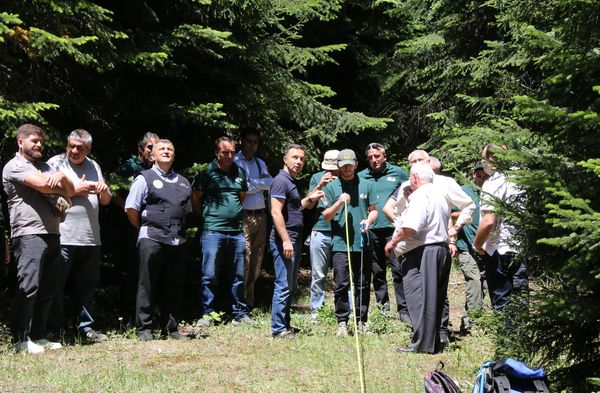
{"x":377,"y":146}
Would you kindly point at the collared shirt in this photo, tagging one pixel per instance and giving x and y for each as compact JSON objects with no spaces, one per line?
{"x":454,"y":194}
{"x":385,"y":183}
{"x":427,"y":213}
{"x":321,"y":224}
{"x":80,"y":226}
{"x":499,"y":189}
{"x":284,"y":187}
{"x":29,"y":211}
{"x":258,"y":179}
{"x":137,"y":200}
{"x":222,"y":206}
{"x":131,"y":168}
{"x":361,"y":197}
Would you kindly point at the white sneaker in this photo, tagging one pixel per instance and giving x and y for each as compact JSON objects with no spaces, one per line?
{"x":48,"y":344}
{"x":28,"y":346}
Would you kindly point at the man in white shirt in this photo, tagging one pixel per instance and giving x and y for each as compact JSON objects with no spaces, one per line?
{"x":422,"y":238}
{"x":255,"y":218}
{"x":495,"y":238}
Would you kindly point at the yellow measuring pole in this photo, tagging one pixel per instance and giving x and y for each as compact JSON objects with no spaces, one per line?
{"x":361,"y":368}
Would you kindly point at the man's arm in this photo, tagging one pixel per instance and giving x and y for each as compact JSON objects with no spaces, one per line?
{"x":309,"y":201}
{"x":459,"y":198}
{"x":371,"y":217}
{"x":400,"y":234}
{"x":134,"y":217}
{"x":197,"y":201}
{"x":389,"y":209}
{"x":279,"y":223}
{"x":331,"y":211}
{"x":486,"y":225}
{"x":56,"y":183}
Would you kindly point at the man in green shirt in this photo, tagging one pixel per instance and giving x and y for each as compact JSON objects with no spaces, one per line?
{"x":386,"y":179}
{"x":218,"y":193}
{"x":349,"y":203}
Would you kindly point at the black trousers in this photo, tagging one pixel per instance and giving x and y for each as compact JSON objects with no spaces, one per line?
{"x":380,"y":237}
{"x":426,"y":274}
{"x":506,"y":276}
{"x":37,"y":280}
{"x":161,"y":282}
{"x":362,"y":284}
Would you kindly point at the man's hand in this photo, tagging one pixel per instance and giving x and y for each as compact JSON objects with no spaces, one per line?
{"x":54,"y":179}
{"x":316,"y":195}
{"x":480,"y":251}
{"x":344,"y":198}
{"x":326,"y":179}
{"x":390,"y":246}
{"x":288,"y":249}
{"x":101,"y":187}
{"x":453,"y":250}
{"x":364,"y":225}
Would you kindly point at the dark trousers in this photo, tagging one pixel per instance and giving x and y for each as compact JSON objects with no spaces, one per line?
{"x":361,"y":277}
{"x":37,"y":277}
{"x":380,"y":237}
{"x":426,"y":274}
{"x":161,"y":281}
{"x":506,"y":276}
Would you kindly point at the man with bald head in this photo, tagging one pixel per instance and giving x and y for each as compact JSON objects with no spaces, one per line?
{"x":157,"y":205}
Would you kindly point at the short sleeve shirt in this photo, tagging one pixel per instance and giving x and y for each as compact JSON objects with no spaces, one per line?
{"x":30,"y":213}
{"x":81,"y":226}
{"x":384,"y":184}
{"x":362,"y":196}
{"x":284,"y":187}
{"x":466,"y":236}
{"x":222,"y":207}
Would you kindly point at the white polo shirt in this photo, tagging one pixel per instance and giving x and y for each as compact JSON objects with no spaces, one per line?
{"x":499,"y":189}
{"x":427,"y":212}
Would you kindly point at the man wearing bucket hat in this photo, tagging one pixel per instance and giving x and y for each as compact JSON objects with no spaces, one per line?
{"x":321,"y":236}
{"x":349,"y":203}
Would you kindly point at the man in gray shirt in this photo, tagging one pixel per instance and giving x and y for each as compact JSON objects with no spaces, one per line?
{"x":34,"y":222}
{"x":80,"y":233}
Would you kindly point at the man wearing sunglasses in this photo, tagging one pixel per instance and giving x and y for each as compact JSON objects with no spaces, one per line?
{"x":386,"y":178}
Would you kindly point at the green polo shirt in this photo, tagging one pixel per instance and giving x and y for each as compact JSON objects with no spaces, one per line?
{"x":321,"y":224}
{"x":384,"y":184}
{"x":466,"y":236}
{"x":131,"y":168}
{"x":222,"y":207}
{"x":362,"y":196}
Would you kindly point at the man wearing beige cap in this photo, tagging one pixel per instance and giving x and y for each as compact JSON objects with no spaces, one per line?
{"x":321,"y":236}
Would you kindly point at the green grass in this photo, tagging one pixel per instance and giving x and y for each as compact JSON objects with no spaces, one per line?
{"x":246,"y":359}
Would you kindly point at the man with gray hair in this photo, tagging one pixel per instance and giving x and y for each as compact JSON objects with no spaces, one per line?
{"x":80,"y":233}
{"x":422,"y":237}
{"x":34,"y":224}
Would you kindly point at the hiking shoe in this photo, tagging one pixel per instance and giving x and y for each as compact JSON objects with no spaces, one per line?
{"x":362,"y":328}
{"x":246,"y":320}
{"x":175,"y":335}
{"x":203,"y":322}
{"x":405,"y":318}
{"x":289,"y":334}
{"x":145,"y":335}
{"x":48,"y":344}
{"x":444,"y":338}
{"x":342,"y":329}
{"x":93,"y":336}
{"x":28,"y":346}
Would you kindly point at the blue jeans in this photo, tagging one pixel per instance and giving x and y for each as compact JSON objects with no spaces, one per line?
{"x":230,"y":246}
{"x":286,"y":275}
{"x":82,"y":265}
{"x":320,"y":259}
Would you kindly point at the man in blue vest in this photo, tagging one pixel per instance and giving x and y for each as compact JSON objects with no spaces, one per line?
{"x":157,"y":204}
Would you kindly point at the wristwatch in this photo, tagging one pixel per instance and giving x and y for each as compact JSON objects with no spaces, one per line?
{"x":457,"y":227}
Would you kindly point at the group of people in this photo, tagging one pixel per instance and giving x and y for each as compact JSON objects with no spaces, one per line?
{"x":366,"y":221}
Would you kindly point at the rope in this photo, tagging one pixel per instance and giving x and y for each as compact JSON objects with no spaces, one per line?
{"x":361,"y":367}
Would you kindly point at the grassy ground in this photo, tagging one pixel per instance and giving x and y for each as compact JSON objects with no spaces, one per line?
{"x":227,"y":358}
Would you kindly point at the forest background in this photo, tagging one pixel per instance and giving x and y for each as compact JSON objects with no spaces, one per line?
{"x":449,"y":76}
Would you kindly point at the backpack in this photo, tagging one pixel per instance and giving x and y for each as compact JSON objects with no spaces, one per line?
{"x":437,"y":381}
{"x":509,"y":376}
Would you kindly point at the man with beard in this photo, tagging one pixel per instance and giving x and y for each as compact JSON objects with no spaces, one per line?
{"x":35,"y":234}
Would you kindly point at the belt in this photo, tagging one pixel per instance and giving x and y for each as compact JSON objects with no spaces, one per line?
{"x":256,"y":211}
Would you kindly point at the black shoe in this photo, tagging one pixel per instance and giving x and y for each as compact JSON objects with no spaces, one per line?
{"x":289,"y":334}
{"x":145,"y":335}
{"x":405,"y":318}
{"x":406,"y":349}
{"x":444,"y":338}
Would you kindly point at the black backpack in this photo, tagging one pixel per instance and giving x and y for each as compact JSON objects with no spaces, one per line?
{"x":509,"y":376}
{"x":437,"y":381}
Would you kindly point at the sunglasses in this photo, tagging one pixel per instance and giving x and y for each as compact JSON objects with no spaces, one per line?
{"x":375,"y":146}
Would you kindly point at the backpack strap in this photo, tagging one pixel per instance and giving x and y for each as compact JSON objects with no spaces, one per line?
{"x":501,"y":384}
